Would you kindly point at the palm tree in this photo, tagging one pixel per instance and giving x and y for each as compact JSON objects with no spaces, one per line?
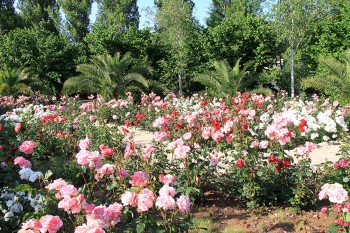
{"x":20,"y":81}
{"x":226,"y":80}
{"x":335,"y":81}
{"x":108,"y":76}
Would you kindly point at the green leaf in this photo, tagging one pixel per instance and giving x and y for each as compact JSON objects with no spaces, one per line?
{"x":333,"y":228}
{"x":48,"y":174}
{"x":112,"y":185}
{"x":140,"y":227}
{"x":23,"y":188}
{"x":260,"y":173}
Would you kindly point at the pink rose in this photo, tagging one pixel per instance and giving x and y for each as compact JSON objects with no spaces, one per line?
{"x":32,"y":224}
{"x":324,"y":210}
{"x":183,"y":203}
{"x":167,"y":179}
{"x":139,"y":178}
{"x":18,"y":127}
{"x":85,"y":144}
{"x":263,"y":144}
{"x":22,"y":162}
{"x":166,"y":190}
{"x":88,"y":229}
{"x":129,"y":198}
{"x":105,"y":150}
{"x":68,"y":190}
{"x":187,"y":135}
{"x":181,"y":151}
{"x":160,"y":136}
{"x":106,"y":169}
{"x":50,"y":223}
{"x":335,"y":192}
{"x":56,"y":184}
{"x":145,"y":200}
{"x":92,"y":118}
{"x":68,"y":203}
{"x":147,"y":152}
{"x":27,"y":147}
{"x":165,"y":202}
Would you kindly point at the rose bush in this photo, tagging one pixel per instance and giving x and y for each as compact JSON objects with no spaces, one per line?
{"x":82,"y":156}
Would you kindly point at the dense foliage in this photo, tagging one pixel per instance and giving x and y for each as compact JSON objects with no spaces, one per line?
{"x":284,"y":40}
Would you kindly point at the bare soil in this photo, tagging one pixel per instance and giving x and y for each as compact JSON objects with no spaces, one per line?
{"x":227,"y":213}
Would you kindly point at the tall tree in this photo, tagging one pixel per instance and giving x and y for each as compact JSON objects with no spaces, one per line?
{"x":119,"y":14}
{"x":40,"y":11}
{"x":8,"y":17}
{"x":175,"y":23}
{"x":221,"y":9}
{"x":294,"y":20}
{"x":77,"y":14}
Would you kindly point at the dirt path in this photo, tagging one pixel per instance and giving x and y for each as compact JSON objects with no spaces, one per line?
{"x":323,"y":153}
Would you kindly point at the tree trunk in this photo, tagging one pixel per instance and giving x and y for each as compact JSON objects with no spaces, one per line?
{"x":180,"y":84}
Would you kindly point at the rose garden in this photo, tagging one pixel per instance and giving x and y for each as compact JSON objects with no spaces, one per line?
{"x":69,"y":165}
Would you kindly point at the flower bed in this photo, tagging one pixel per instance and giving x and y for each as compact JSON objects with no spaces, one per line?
{"x":73,"y":162}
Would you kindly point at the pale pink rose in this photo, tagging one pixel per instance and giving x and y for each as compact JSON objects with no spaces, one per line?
{"x":88,"y":229}
{"x":181,"y":151}
{"x":166,"y":190}
{"x":85,"y":143}
{"x":167,"y":179}
{"x":139,"y":178}
{"x":72,"y":204}
{"x":105,"y":150}
{"x":88,"y":208}
{"x":187,"y":136}
{"x":114,"y":212}
{"x":92,"y":118}
{"x":50,"y":223}
{"x":147,"y":152}
{"x":301,"y":150}
{"x":183,"y":203}
{"x":56,"y":184}
{"x":310,"y":146}
{"x":32,"y":224}
{"x":68,"y":190}
{"x":178,"y":142}
{"x":129,"y":198}
{"x":22,"y":162}
{"x":160,"y":136}
{"x":206,"y":132}
{"x":18,"y":127}
{"x":106,"y":169}
{"x":27,"y":147}
{"x":165,"y":202}
{"x":335,"y":192}
{"x":254,"y":144}
{"x":96,"y":220}
{"x":214,"y":160}
{"x":263,"y":144}
{"x":145,"y":200}
{"x":129,"y":149}
{"x":217,"y":136}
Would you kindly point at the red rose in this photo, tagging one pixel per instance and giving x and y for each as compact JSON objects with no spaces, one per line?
{"x":286,"y":162}
{"x":240,"y":163}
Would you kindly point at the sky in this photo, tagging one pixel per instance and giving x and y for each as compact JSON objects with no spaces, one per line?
{"x":200,"y":12}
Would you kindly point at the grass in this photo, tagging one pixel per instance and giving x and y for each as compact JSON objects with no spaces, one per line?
{"x":203,"y":225}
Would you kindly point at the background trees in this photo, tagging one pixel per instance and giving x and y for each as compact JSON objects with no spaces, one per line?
{"x":284,"y":39}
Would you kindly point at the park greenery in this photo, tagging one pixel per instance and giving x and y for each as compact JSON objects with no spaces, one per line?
{"x":283,"y":42}
{"x":233,"y":107}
